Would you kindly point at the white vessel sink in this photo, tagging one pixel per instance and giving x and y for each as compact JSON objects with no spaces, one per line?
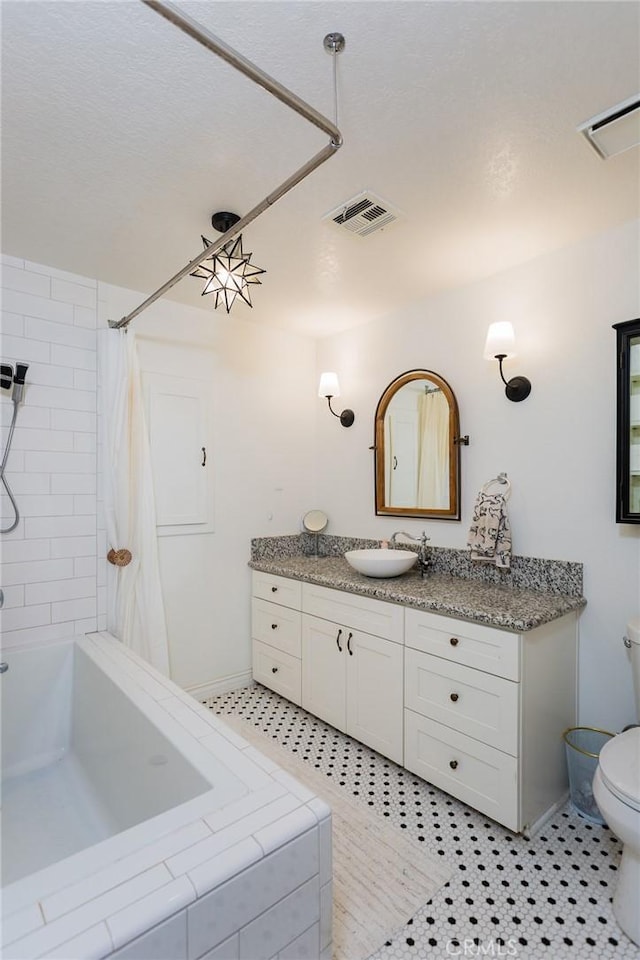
{"x":381,"y":563}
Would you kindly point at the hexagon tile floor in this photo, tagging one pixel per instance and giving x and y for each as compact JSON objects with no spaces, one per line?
{"x":548,"y":898}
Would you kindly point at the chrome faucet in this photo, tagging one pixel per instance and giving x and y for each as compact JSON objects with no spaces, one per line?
{"x":424,"y":560}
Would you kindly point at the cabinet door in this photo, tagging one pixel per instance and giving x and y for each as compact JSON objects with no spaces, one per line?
{"x":324,"y":670}
{"x":374,"y":693}
{"x":178,"y":414}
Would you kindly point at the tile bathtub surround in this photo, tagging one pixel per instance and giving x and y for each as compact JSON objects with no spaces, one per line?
{"x":526,"y":573}
{"x":48,"y":564}
{"x":250,"y":872}
{"x":548,"y":898}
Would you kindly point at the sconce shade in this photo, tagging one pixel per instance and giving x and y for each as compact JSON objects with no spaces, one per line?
{"x":329,"y":386}
{"x":500,"y":341}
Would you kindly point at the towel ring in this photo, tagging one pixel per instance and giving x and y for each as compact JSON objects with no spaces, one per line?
{"x":501,"y":479}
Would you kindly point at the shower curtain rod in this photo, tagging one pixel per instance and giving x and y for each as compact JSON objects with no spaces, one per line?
{"x":249,"y":69}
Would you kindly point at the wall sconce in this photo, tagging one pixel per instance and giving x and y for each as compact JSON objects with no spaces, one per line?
{"x":329,"y":387}
{"x":500,"y":345}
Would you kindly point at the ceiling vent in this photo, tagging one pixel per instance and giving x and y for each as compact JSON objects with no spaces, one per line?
{"x":363,"y":215}
{"x":616,"y":130}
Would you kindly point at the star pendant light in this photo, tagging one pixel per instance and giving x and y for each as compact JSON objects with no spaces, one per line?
{"x":231,"y":271}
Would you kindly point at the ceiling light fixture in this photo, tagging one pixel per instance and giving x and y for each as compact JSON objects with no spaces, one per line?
{"x":501,"y":344}
{"x":231,"y":271}
{"x":615,"y":130}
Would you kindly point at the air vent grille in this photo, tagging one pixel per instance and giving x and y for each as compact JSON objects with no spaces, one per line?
{"x":363,"y":215}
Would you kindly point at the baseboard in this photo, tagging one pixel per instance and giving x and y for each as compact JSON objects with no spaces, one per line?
{"x":202,"y":691}
{"x":531,"y":829}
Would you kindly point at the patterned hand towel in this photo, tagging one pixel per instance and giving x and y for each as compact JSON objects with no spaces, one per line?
{"x":490,"y":533}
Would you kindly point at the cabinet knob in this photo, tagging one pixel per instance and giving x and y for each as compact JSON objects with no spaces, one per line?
{"x":274,"y":589}
{"x":338,"y":640}
{"x":274,"y":669}
{"x":274,"y":626}
{"x":453,"y":696}
{"x":453,"y":764}
{"x":454,"y":641}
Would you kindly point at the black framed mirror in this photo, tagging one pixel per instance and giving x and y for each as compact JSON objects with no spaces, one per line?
{"x":628,"y":422}
{"x":417,"y":448}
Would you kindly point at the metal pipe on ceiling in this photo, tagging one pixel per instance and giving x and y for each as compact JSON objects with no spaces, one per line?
{"x":249,"y":69}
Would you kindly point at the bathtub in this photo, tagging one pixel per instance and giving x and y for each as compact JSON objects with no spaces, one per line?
{"x":136,"y":824}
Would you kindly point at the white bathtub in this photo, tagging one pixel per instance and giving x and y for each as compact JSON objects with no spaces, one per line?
{"x":137,"y":825}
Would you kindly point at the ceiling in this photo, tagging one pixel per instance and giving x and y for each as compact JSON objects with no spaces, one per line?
{"x":121,"y":136}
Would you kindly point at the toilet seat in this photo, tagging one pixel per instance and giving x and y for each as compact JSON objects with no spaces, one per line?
{"x":620,"y":767}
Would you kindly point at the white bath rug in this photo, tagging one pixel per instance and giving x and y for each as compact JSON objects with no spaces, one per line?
{"x":380,"y":879}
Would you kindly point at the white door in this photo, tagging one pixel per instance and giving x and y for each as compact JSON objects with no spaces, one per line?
{"x":324,"y":670}
{"x":178,"y":415}
{"x":403,"y":467}
{"x":374,"y":693}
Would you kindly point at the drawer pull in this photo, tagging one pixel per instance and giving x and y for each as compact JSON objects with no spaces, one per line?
{"x":454,"y":641}
{"x":274,"y":589}
{"x":453,"y":764}
{"x":453,"y":696}
{"x":349,"y":645}
{"x":274,"y":626}
{"x":274,"y":669}
{"x":338,"y":640}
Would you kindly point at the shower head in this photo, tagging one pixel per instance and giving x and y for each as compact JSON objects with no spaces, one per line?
{"x":18,"y":381}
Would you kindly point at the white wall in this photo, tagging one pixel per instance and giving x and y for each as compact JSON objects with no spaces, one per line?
{"x":278,"y":452}
{"x":558,"y":446}
{"x":264,"y":406}
{"x":48,"y":564}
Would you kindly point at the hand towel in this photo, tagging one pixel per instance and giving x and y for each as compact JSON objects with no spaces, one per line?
{"x":490,"y":533}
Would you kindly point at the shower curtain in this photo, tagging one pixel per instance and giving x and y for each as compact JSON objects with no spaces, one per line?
{"x":135,"y":610}
{"x":433,"y":450}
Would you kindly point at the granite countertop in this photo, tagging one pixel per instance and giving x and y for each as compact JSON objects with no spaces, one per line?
{"x":497,"y":605}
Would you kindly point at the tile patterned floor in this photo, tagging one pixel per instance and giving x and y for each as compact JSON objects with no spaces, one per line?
{"x":548,"y":898}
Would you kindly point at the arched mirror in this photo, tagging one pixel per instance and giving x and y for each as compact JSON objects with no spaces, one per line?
{"x":417,"y":446}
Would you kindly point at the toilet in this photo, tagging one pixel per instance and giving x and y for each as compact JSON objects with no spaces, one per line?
{"x":616,"y":788}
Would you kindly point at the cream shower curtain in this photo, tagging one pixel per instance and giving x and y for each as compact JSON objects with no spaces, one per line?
{"x":433,"y":450}
{"x":135,"y":612}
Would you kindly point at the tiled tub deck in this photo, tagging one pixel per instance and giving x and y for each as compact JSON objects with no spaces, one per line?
{"x":242,"y":869}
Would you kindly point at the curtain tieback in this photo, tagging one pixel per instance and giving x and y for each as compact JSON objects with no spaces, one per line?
{"x":119,"y":558}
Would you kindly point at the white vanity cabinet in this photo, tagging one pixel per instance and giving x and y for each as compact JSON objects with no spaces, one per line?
{"x":485,"y":710}
{"x":476,"y":710}
{"x":351,"y":678}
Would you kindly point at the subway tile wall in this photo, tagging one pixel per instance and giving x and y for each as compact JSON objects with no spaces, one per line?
{"x":48,"y":565}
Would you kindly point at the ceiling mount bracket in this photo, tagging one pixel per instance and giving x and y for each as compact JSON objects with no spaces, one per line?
{"x":223,"y":221}
{"x":334,"y":43}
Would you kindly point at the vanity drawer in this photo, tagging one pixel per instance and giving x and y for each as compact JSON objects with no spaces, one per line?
{"x":278,"y":589}
{"x":351,"y":610}
{"x":277,"y":670}
{"x":278,"y":626}
{"x":474,"y":703}
{"x":471,"y":644}
{"x":481,"y":776}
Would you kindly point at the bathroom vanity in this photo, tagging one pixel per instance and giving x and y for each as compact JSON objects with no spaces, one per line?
{"x":467,"y":684}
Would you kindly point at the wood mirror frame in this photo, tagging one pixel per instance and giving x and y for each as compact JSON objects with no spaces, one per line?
{"x":382,"y":455}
